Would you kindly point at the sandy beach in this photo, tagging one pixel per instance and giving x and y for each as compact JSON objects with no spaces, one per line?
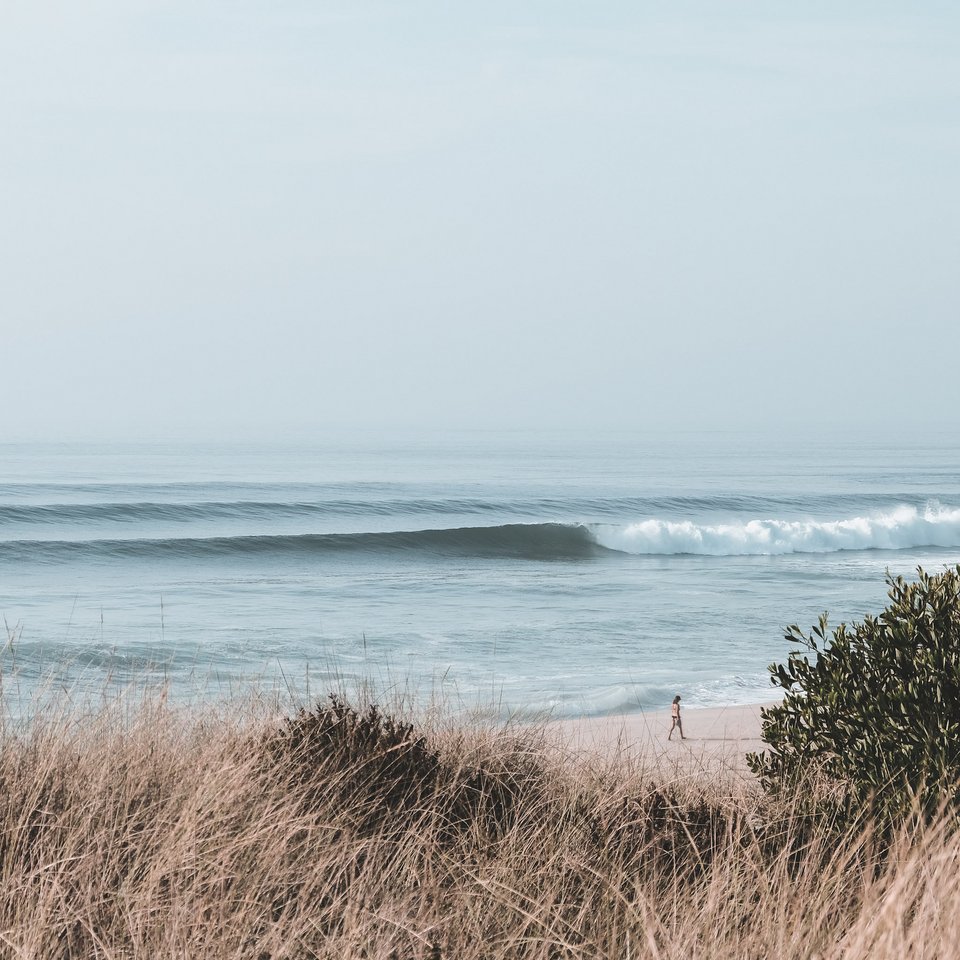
{"x":717,"y":738}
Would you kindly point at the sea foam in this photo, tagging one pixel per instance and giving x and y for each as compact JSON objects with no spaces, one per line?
{"x":898,"y":529}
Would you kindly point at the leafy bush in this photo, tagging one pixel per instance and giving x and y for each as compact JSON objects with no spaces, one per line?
{"x":875,"y":709}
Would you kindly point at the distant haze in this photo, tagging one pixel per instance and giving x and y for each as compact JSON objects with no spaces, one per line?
{"x":259,"y":218}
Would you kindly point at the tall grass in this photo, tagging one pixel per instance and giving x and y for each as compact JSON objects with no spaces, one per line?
{"x":224,"y":832}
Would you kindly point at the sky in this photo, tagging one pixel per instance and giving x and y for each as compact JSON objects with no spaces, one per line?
{"x":258,"y":219}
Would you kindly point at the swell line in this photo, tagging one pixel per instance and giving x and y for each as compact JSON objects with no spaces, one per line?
{"x":903,"y":528}
{"x":543,"y":541}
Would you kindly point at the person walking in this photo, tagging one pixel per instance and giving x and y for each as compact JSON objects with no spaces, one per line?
{"x":675,"y":720}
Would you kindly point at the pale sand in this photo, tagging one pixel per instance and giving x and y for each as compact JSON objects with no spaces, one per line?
{"x":717,"y":738}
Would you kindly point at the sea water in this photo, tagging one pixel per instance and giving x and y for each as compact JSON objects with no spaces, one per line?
{"x":564,"y":573}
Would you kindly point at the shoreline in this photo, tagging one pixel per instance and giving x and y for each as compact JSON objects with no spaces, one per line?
{"x":717,"y":739}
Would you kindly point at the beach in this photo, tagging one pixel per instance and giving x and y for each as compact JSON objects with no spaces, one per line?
{"x":716,"y":744}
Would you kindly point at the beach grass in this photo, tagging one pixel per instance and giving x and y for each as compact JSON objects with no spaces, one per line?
{"x":141,"y":829}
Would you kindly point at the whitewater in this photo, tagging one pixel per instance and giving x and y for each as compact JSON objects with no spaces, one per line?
{"x":900,"y":529}
{"x":570,"y":573}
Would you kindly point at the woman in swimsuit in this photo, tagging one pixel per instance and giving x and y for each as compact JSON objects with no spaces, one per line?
{"x":675,"y":718}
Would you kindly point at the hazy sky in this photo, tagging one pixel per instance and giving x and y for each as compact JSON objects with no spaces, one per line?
{"x":221,"y":218}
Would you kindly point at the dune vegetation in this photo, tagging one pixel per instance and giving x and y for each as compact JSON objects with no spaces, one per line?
{"x":141,"y":829}
{"x":224,"y":832}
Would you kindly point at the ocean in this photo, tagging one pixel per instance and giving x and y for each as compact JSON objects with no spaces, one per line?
{"x":562,"y":573}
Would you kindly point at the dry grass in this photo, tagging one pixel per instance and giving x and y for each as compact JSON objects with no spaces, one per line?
{"x":217,"y":833}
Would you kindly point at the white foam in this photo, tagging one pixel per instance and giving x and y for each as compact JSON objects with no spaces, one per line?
{"x":621,"y":698}
{"x":901,"y":528}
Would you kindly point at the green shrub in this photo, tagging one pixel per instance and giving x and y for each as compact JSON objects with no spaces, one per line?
{"x":874,"y":711}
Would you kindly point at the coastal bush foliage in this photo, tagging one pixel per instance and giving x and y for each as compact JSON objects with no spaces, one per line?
{"x":874,"y":709}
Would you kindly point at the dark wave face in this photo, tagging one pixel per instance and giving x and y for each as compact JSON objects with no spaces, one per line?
{"x":537,"y":541}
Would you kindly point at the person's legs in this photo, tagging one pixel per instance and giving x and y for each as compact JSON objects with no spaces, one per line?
{"x":673,"y":723}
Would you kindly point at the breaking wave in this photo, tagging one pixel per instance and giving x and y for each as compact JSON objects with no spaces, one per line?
{"x":903,"y":528}
{"x":899,"y":529}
